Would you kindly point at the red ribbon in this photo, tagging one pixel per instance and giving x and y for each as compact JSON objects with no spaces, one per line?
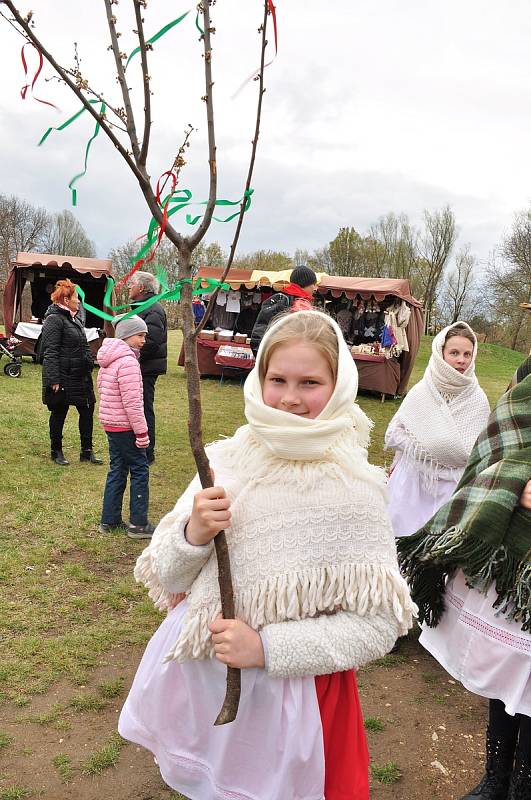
{"x":253,"y":75}
{"x":168,"y":176}
{"x":25,"y":88}
{"x":273,"y":10}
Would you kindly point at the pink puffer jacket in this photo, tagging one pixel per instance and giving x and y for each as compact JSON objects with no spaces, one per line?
{"x":120,"y":387}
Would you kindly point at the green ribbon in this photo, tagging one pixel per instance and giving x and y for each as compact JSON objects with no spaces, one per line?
{"x":198,"y":26}
{"x":160,"y":33}
{"x":181,"y":199}
{"x":173,"y":295}
{"x":89,"y":143}
{"x":245,"y":199}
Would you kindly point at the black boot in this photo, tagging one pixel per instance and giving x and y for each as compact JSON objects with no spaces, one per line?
{"x":88,"y":455}
{"x":58,"y":457}
{"x":498,"y":768}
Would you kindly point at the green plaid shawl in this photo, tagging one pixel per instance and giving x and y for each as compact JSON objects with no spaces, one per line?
{"x":482,"y":530}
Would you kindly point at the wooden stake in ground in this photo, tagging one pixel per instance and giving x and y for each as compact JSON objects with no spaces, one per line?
{"x":135,"y":151}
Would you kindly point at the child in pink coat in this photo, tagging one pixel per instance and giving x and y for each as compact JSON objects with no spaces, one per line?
{"x":121,"y":413}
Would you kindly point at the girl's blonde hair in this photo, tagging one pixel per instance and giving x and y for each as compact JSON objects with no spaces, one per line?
{"x":309,"y":327}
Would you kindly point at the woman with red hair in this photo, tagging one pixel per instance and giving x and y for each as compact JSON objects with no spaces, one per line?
{"x":66,"y":371}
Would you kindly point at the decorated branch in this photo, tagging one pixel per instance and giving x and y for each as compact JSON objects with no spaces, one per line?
{"x":130,"y":137}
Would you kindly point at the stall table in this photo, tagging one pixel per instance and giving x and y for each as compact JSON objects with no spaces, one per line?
{"x":28,"y":333}
{"x":234,"y":359}
{"x":211,"y":363}
{"x":376,"y":373}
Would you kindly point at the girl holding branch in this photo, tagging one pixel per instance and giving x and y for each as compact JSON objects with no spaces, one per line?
{"x":317,"y":589}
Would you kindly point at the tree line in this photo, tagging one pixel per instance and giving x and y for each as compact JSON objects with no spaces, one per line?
{"x":445,"y":275}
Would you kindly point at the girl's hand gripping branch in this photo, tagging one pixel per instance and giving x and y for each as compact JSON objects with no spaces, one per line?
{"x":236,"y":644}
{"x":210,"y":515}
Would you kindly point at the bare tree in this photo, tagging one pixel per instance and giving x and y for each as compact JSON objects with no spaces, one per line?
{"x":435,"y":247}
{"x":395,"y":247}
{"x":131,"y":138}
{"x":66,"y":236}
{"x":456,"y":296}
{"x":321,"y":260}
{"x":512,"y":285}
{"x":22,"y":228}
{"x":274,"y":260}
{"x":347,"y":253}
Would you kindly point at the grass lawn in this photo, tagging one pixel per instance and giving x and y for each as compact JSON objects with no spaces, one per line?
{"x":70,"y":594}
{"x":67,"y":595}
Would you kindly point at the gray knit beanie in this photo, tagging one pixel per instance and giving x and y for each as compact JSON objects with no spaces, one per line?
{"x":303,"y":276}
{"x":123,"y":328}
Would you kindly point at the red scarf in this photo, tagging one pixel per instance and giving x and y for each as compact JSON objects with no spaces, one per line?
{"x":294,"y":290}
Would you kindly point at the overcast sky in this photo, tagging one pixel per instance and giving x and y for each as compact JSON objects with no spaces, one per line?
{"x":371,"y":106}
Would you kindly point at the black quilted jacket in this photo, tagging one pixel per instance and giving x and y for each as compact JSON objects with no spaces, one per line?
{"x":67,"y":358}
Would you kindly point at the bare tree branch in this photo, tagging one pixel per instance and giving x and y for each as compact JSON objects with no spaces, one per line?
{"x":77,"y":91}
{"x":233,"y":246}
{"x":129,"y":115}
{"x":204,"y":225}
{"x":147,"y":91}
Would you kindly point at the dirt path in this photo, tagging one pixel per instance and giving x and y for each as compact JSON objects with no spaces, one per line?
{"x":432,"y":730}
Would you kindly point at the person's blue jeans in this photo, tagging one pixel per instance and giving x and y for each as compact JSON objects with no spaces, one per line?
{"x":126,"y":459}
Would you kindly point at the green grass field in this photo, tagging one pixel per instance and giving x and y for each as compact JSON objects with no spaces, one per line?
{"x":67,"y":591}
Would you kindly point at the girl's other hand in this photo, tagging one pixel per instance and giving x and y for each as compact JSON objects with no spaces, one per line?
{"x":236,"y":644}
{"x":525,"y":498}
{"x":210,"y":515}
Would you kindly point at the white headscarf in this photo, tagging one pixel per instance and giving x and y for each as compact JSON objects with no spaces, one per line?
{"x":298,"y":438}
{"x":444,"y":413}
{"x":447,"y":380}
{"x":338,"y":437}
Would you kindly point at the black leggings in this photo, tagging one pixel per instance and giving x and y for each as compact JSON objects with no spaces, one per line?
{"x":57,"y":421}
{"x":508,"y":728}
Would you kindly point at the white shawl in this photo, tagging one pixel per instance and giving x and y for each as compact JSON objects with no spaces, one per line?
{"x":443,"y":414}
{"x":310,"y":531}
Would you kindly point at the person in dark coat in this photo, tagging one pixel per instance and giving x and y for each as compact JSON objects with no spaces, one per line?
{"x":66,"y":372}
{"x":297,"y":295}
{"x":154,"y":354}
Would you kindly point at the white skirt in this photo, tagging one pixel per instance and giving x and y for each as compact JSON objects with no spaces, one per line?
{"x":489,"y":654}
{"x":410,"y":505}
{"x":272,"y":751}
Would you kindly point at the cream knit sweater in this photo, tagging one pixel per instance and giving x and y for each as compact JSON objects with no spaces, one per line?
{"x":292,"y":559}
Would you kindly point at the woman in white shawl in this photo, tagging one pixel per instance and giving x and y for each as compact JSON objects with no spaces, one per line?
{"x":434,"y":430}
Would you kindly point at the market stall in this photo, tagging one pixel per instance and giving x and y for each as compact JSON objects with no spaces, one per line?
{"x":380,"y":319}
{"x":33,"y":275}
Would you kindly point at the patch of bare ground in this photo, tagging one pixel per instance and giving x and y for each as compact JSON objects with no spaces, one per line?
{"x":428,"y":730}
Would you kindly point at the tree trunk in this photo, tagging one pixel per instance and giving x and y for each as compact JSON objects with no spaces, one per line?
{"x":517,"y":330}
{"x":232,"y":697}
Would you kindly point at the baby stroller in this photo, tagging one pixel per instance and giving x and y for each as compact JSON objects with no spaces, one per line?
{"x":14,"y":367}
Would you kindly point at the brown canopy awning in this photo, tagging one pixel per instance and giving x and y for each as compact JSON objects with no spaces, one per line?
{"x":367,"y":287}
{"x":24,"y":262}
{"x":96,"y":266}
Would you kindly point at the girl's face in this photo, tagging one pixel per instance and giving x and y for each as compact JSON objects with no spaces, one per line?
{"x":458,"y":352}
{"x":137,"y":340}
{"x":298,"y":380}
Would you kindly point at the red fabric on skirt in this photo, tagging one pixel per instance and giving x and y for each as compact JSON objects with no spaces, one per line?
{"x":345,"y":745}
